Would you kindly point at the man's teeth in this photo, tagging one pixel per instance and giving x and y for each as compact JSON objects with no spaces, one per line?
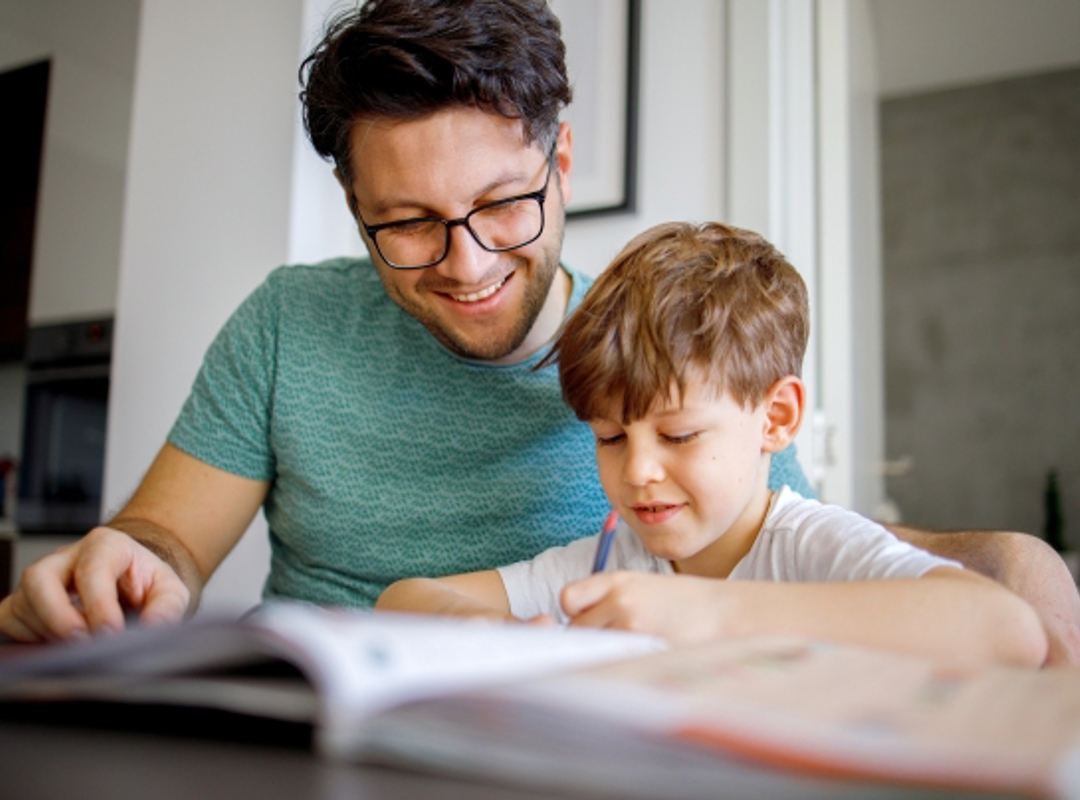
{"x":472,"y":297}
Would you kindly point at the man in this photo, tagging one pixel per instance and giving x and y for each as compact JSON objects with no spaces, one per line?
{"x":386,"y":413}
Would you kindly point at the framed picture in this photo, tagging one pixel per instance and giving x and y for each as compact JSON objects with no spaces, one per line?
{"x":602,"y":55}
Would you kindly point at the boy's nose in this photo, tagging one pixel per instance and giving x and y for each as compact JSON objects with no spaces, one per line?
{"x":642,"y":466}
{"x":466,"y":261}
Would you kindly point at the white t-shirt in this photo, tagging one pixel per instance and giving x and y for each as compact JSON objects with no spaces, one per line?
{"x":801,"y":540}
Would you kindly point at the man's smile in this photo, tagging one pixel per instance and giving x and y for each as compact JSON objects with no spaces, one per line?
{"x":482,"y":294}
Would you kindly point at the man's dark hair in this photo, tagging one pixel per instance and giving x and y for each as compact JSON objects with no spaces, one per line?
{"x":405,"y":59}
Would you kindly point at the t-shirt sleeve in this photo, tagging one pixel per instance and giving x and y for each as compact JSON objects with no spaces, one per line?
{"x":785,"y":470}
{"x":226,"y":418}
{"x":533,"y":586}
{"x":809,"y":541}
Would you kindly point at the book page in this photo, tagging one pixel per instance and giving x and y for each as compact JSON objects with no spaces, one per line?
{"x":837,"y":711}
{"x":366,"y":662}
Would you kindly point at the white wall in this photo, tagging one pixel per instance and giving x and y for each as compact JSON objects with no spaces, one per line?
{"x":681,"y":130}
{"x":92,"y":47}
{"x":320,"y":225}
{"x":206,"y":218}
{"x":852,"y":375}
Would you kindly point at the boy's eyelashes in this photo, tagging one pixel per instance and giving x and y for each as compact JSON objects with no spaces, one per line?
{"x":609,"y":440}
{"x":681,"y":438}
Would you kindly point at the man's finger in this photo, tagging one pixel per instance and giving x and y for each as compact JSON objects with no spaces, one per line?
{"x":25,"y":616}
{"x":42,"y":603}
{"x":12,"y":626}
{"x":95,"y":577}
{"x":166,"y":599}
{"x":152,"y":586}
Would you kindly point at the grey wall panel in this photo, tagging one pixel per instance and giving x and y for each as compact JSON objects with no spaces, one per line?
{"x":981,"y":206}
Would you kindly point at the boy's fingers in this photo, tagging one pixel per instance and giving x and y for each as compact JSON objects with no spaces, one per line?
{"x":580,"y":595}
{"x":543,"y":620}
{"x":599,"y":615}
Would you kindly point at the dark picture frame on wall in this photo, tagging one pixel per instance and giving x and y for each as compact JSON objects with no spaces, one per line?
{"x":603,"y":57}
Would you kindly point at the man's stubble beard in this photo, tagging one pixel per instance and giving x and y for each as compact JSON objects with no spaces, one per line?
{"x":495,"y":346}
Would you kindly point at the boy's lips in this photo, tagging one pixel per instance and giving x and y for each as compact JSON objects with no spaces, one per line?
{"x":656,"y":513}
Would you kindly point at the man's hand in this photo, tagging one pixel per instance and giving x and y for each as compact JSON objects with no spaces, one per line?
{"x":154,"y":557}
{"x":1025,"y":565}
{"x":84,"y":589}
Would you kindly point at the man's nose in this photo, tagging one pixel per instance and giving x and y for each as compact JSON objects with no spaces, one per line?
{"x":466,"y":261}
{"x":642,"y":465}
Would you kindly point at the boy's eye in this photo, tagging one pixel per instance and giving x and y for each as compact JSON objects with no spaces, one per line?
{"x":601,"y":441}
{"x":682,"y":438}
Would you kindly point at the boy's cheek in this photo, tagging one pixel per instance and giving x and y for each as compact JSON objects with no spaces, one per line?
{"x":608,"y":471}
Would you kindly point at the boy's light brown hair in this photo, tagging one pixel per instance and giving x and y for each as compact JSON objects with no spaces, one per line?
{"x":714,"y":300}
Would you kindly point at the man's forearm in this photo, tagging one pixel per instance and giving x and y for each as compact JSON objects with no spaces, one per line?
{"x":169,"y":549}
{"x":985,"y":552}
{"x":1024,"y":564}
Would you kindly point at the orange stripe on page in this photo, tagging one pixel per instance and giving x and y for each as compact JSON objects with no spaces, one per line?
{"x":775,"y":755}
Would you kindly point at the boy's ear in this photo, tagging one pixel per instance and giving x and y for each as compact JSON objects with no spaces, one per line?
{"x":784,"y":406}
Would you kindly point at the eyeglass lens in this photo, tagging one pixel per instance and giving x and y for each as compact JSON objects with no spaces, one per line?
{"x":501,"y":226}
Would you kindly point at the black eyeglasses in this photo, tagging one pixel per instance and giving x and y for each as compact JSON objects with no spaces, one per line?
{"x":423,"y":242}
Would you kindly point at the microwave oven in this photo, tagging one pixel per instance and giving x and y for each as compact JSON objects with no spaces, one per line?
{"x":63,"y":441}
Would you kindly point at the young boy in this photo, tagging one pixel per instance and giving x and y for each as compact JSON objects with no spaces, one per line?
{"x":684,"y":358}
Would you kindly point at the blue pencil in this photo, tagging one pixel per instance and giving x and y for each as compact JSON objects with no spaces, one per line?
{"x":603,"y":547}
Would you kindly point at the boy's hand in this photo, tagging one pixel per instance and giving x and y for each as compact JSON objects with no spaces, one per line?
{"x":542,"y":621}
{"x":474,"y":594}
{"x":680,"y":608}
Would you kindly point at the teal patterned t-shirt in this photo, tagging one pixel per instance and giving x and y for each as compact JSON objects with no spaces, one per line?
{"x":388,"y":455}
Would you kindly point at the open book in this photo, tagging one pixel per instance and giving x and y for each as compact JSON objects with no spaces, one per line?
{"x":348,"y":664}
{"x":596,"y":710}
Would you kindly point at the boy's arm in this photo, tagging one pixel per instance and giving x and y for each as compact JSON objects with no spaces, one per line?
{"x":474,"y":594}
{"x":1023,"y":564}
{"x":948,"y":615}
